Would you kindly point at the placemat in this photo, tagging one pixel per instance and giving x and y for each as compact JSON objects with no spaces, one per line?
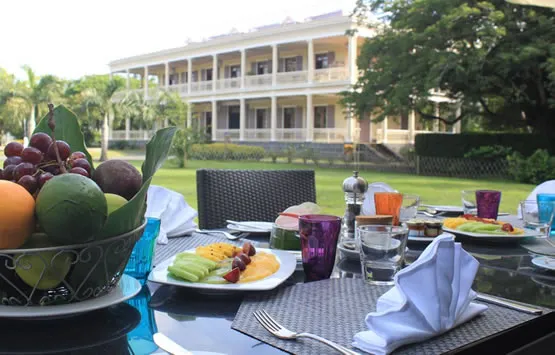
{"x":540,"y":246}
{"x":176,"y":245}
{"x":335,"y":309}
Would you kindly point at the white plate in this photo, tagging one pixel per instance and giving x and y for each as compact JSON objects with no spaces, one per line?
{"x":445,"y":208}
{"x":257,"y":227}
{"x":127,"y":288}
{"x":544,"y":262}
{"x":493,"y":237}
{"x":421,"y":239}
{"x":288,"y":263}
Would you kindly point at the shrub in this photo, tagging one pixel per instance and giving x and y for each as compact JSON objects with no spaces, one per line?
{"x":457,"y":145}
{"x":273,"y":155}
{"x":489,"y":152}
{"x":289,"y":153}
{"x":535,"y":169}
{"x":226,"y":151}
{"x":408,"y":153}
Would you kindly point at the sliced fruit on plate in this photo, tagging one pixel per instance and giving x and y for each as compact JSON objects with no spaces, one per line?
{"x":233,"y":275}
{"x":182,"y":274}
{"x":248,"y":249}
{"x":190,"y":256}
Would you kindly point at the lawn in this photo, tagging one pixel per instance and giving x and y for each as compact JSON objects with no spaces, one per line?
{"x":432,"y":190}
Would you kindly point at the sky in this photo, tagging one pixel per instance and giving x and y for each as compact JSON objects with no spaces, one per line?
{"x":72,"y":38}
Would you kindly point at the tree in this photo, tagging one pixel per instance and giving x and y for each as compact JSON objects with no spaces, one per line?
{"x":100,"y":97}
{"x":495,"y":57}
{"x":13,"y":111}
{"x":35,"y":92}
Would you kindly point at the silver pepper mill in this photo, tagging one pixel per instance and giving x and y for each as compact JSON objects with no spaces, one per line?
{"x":355,"y":188}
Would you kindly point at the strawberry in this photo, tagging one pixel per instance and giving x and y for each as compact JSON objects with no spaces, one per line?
{"x":248,"y":249}
{"x":233,"y":275}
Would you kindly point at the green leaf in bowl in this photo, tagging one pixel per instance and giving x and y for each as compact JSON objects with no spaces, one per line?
{"x":67,"y":129}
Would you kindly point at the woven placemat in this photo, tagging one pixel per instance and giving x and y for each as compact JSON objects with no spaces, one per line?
{"x":540,"y":246}
{"x":176,"y":245}
{"x":335,"y":309}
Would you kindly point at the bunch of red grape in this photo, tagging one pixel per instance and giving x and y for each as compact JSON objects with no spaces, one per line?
{"x":33,"y":166}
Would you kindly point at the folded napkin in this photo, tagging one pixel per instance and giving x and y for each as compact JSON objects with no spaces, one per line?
{"x":430,"y":297}
{"x":176,"y":216}
{"x":368,"y":206}
{"x":292,"y":223}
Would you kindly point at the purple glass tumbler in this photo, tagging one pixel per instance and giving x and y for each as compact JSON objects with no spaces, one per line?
{"x":319,"y":235}
{"x":487,"y":203}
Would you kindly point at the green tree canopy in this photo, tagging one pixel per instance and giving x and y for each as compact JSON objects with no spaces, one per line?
{"x":497,"y":58}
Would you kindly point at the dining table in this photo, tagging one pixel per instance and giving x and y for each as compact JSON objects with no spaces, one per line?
{"x":201,"y":323}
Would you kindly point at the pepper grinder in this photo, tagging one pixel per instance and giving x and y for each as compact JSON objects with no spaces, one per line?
{"x":354,"y":188}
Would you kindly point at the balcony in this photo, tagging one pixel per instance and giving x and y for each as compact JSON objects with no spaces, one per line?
{"x":329,"y":135}
{"x":331,"y":74}
{"x":295,"y":77}
{"x":121,"y":135}
{"x":258,"y":80}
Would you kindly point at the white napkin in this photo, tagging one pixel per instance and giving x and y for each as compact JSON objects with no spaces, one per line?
{"x":547,"y":187}
{"x":368,"y":206}
{"x":430,"y":297}
{"x":176,"y":216}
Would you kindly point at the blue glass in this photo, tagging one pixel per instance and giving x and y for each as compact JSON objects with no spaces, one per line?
{"x":140,"y":339}
{"x":140,"y":262}
{"x":546,"y":203}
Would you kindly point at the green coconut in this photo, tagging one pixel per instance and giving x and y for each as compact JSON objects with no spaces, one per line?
{"x":71,"y":209}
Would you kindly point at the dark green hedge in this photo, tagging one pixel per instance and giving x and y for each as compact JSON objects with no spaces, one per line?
{"x":456,"y":145}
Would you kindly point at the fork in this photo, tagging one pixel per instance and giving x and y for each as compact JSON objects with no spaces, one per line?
{"x":226,"y":234}
{"x":281,"y":332}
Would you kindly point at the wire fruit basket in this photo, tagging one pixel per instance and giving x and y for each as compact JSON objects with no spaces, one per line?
{"x":64,"y":274}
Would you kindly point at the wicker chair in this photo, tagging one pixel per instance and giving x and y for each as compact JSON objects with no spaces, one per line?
{"x":250,"y":195}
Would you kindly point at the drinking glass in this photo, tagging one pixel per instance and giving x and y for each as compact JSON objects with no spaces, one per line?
{"x":487,"y":203}
{"x":409,"y":207}
{"x":545,"y":202}
{"x":389,"y":203}
{"x":469,"y":201}
{"x":319,"y":235}
{"x":532,"y":213}
{"x":382,"y":252}
{"x":140,"y":262}
{"x":141,"y":339}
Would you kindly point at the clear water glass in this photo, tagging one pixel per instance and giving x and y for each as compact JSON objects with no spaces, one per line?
{"x":382,"y":252}
{"x":546,"y":203}
{"x":140,"y":262}
{"x":409,"y":207}
{"x":537,"y":215}
{"x":469,"y":202}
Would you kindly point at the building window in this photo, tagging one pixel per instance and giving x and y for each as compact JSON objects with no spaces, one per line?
{"x":262,"y":68}
{"x":235,"y":71}
{"x":261,"y":118}
{"x":290,"y":64}
{"x":208,"y":74}
{"x":322,"y":61}
{"x":234,"y":117}
{"x":405,"y":120}
{"x":320,"y":116}
{"x":288,"y":117}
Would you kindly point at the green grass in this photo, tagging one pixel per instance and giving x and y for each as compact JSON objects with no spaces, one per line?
{"x":329,"y":195}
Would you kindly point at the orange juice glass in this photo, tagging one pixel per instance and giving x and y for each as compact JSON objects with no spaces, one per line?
{"x":389,"y":203}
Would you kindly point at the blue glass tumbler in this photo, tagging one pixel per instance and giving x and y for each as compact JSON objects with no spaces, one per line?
{"x":141,"y":339}
{"x":140,"y":262}
{"x":546,"y":203}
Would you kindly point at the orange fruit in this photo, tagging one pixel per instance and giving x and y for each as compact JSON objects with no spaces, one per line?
{"x":17,"y":215}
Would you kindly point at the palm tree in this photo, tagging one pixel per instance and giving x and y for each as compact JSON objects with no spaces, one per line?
{"x":102,"y":100}
{"x":37,"y":91}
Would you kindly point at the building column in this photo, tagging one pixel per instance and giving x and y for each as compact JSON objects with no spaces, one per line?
{"x":145,"y":80}
{"x":435,"y":126}
{"x":310,"y":60}
{"x":243,"y":67}
{"x":273,"y":119}
{"x":412,"y":126}
{"x":309,"y":119}
{"x":189,"y":74}
{"x":384,"y":130}
{"x":214,"y":119}
{"x":111,"y":75}
{"x":349,"y":133}
{"x":127,"y":128}
{"x":214,"y":72}
{"x":352,"y":58}
{"x":127,"y":80}
{"x":456,"y":128}
{"x":189,"y":115}
{"x":242,"y":119}
{"x":167,"y":76}
{"x":275,"y":60}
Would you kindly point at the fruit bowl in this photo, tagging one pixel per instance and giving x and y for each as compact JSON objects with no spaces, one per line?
{"x":64,"y":274}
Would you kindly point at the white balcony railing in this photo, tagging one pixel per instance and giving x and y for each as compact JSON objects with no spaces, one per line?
{"x":256,"y":134}
{"x":229,"y":83}
{"x":259,"y":80}
{"x":291,"y":134}
{"x":131,"y":135}
{"x":329,"y":135}
{"x":227,"y":134}
{"x":178,"y":88}
{"x":331,"y":74}
{"x":293,"y":77}
{"x":200,"y":86}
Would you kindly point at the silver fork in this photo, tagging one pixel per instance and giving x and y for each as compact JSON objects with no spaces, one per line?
{"x":281,"y":332}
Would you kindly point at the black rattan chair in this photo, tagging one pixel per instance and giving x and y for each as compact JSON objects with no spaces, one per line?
{"x":250,"y":195}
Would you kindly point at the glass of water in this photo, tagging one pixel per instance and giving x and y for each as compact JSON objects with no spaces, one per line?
{"x":538,"y":215}
{"x":382,"y":252}
{"x":409,"y":207}
{"x":469,"y":202}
